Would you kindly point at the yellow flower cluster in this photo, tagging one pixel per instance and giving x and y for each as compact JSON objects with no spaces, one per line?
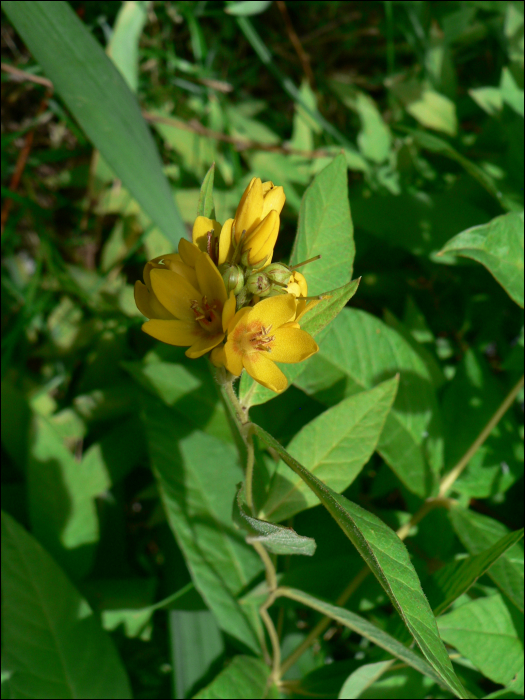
{"x":221,"y":294}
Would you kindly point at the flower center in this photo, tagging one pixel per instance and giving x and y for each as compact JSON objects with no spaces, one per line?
{"x":252,"y":338}
{"x":208,"y":314}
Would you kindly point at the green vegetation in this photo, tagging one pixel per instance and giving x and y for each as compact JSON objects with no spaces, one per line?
{"x":133,"y":562}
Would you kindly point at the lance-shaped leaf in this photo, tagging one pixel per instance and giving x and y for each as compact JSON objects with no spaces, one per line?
{"x":245,"y":678}
{"x":53,"y":645}
{"x":477,"y":532}
{"x":388,"y":559}
{"x":206,"y":207}
{"x":336,"y":446}
{"x":488,"y":632}
{"x":362,"y":626}
{"x":316,"y":323}
{"x":453,"y":580}
{"x":100,"y":100}
{"x":498,"y":246}
{"x":275,"y":538}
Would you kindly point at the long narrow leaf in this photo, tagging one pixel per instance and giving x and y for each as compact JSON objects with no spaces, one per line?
{"x":388,"y":559}
{"x":100,"y":100}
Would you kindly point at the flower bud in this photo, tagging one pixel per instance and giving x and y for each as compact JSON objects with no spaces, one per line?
{"x":259,"y":284}
{"x":233,"y":278}
{"x":278,"y":273}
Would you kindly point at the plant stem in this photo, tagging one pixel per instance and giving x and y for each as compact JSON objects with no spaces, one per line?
{"x":250,"y":460}
{"x":440,"y":500}
{"x":448,"y":481}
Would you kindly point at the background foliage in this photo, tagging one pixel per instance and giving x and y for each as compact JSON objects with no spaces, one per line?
{"x":120,"y":461}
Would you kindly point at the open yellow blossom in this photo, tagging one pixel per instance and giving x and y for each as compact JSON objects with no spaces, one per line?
{"x":298,"y":287}
{"x":261,"y":335}
{"x":184,"y":297}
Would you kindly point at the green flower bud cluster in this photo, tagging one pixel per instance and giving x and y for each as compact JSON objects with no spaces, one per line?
{"x":233,"y":277}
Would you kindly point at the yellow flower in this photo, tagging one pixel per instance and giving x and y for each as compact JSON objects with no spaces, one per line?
{"x":298,"y":287}
{"x":257,"y":216}
{"x":184,"y":298}
{"x":261,"y":335}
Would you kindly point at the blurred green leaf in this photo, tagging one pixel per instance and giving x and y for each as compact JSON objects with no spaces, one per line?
{"x":197,"y":476}
{"x":245,"y":678}
{"x":498,"y":246}
{"x":488,"y":632}
{"x":325,"y":228}
{"x":53,"y":644}
{"x":389,"y":561}
{"x":61,"y":499}
{"x":197,"y":646}
{"x":101,"y":102}
{"x":335,"y":446}
{"x":206,"y":206}
{"x":357,"y":353}
{"x":478,"y":532}
{"x":275,"y":538}
{"x":363,"y":678}
{"x":246,"y":8}
{"x":123,"y":47}
{"x":382,"y":639}
{"x":453,"y":580}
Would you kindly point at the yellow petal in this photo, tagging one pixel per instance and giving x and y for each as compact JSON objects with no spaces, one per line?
{"x":238,"y":318}
{"x":217,"y":357}
{"x":300,"y":280}
{"x":211,"y":283}
{"x":201,"y":228}
{"x":180,"y":333}
{"x":188,"y":252}
{"x":274,"y":200}
{"x":148,"y":304}
{"x":262,"y":241}
{"x":175,"y":293}
{"x":203,"y":345}
{"x":273,"y":312}
{"x":226,"y":248}
{"x":232,"y":359}
{"x":248,"y":212}
{"x":264,"y":371}
{"x":303,"y":307}
{"x":228,"y":311}
{"x":166,"y":259}
{"x":292,"y":345}
{"x":267,"y":186}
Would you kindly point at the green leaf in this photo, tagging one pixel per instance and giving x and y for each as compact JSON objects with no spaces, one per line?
{"x":316,"y":321}
{"x":246,"y":678}
{"x":498,"y":246}
{"x":434,"y":111}
{"x":61,"y":498}
{"x":123,"y":47}
{"x":197,"y":476}
{"x":388,"y":559}
{"x":335,"y":446}
{"x":365,"y":628}
{"x":453,"y":580}
{"x":53,"y":645}
{"x":325,"y":228}
{"x":477,"y":533}
{"x":358,"y":681}
{"x":488,"y":632}
{"x":101,"y":102}
{"x":246,"y":8}
{"x":206,"y":206}
{"x":275,"y":538}
{"x":357,"y":353}
{"x":196,"y":647}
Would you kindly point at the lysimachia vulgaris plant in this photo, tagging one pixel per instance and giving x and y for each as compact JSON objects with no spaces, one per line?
{"x":223,"y":297}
